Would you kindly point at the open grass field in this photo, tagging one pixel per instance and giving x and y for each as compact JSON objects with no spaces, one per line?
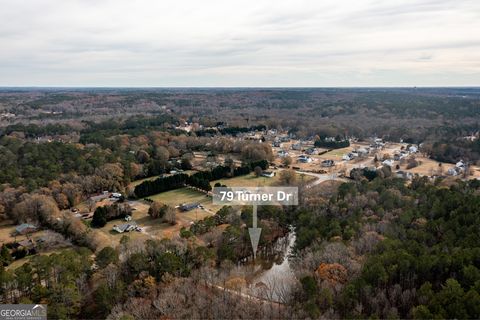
{"x":20,"y":262}
{"x":184,"y":195}
{"x":336,"y":154}
{"x":6,"y":229}
{"x":251,"y":180}
{"x":428,"y":167}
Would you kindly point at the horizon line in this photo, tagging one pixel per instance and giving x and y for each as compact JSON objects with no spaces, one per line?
{"x":238,"y":87}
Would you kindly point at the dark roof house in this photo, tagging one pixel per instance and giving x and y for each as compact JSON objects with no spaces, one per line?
{"x":188,"y":206}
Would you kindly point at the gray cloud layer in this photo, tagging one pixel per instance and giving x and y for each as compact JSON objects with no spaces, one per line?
{"x":239,"y":43}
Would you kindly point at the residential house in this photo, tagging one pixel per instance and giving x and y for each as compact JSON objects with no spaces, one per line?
{"x":188,"y":206}
{"x":413,"y":149}
{"x":404,"y":175}
{"x":304,"y":159}
{"x":268,"y":174}
{"x":460,"y":164}
{"x":388,"y":162}
{"x":311,"y":151}
{"x":328,"y":163}
{"x":25,"y":228}
{"x":455,"y":171}
{"x":127,"y":227}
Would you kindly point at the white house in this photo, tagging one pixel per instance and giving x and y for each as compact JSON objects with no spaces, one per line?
{"x":127,"y":227}
{"x":268,"y":174}
{"x":388,"y":163}
{"x":455,"y":171}
{"x":413,"y":149}
{"x":304,"y":159}
{"x":460,"y":164}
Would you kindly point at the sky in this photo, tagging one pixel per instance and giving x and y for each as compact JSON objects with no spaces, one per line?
{"x":248,"y":43}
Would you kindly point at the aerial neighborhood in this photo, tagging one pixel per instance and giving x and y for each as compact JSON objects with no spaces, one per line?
{"x":105,"y":196}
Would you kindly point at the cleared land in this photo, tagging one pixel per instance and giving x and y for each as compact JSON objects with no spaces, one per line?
{"x":250,"y":180}
{"x":184,"y":195}
{"x":155,"y":229}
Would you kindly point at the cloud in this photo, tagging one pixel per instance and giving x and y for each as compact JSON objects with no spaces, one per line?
{"x":239,"y":43}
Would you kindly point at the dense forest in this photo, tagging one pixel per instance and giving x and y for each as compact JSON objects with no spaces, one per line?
{"x":420,"y":245}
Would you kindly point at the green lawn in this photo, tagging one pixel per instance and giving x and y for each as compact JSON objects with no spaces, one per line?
{"x":184,"y":195}
{"x":338,"y":152}
{"x":250,"y":180}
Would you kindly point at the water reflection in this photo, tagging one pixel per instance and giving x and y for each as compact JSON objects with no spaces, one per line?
{"x":271,"y":277}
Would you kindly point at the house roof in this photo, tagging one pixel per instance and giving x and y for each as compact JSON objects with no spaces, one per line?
{"x":125,"y":227}
{"x":189,"y":206}
{"x":24,"y":226}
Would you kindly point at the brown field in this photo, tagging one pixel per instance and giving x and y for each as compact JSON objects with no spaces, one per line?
{"x":428,"y":167}
{"x":7,"y":227}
